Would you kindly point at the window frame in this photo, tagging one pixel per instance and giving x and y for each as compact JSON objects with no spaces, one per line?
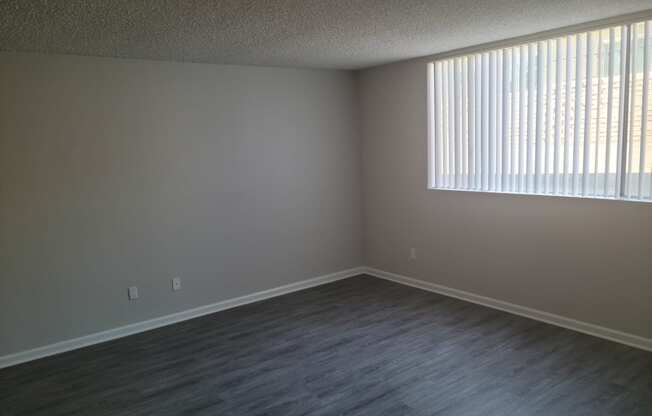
{"x":625,"y":20}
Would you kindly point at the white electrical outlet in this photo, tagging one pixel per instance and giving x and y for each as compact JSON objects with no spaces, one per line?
{"x":133,"y":292}
{"x":176,"y":284}
{"x":413,"y":253}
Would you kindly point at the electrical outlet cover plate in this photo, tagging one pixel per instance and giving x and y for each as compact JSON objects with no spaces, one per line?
{"x":133,"y":292}
{"x":176,"y":283}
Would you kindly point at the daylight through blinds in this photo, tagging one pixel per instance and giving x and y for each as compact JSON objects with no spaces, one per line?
{"x":569,"y":115}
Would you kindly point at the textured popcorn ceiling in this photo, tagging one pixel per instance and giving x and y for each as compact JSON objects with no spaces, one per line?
{"x":343,"y":34}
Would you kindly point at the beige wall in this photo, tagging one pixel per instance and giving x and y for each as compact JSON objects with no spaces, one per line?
{"x":116,"y":173}
{"x":585,"y":259}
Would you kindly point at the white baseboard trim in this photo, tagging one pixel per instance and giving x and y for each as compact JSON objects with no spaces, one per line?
{"x":568,"y":323}
{"x":123,"y":331}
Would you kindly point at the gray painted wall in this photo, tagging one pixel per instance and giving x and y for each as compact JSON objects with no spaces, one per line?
{"x":116,"y":173}
{"x":585,"y":259}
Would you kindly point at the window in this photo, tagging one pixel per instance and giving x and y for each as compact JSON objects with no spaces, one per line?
{"x":569,"y":115}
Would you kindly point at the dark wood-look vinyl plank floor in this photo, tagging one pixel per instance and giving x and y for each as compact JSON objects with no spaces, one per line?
{"x":360,"y":346}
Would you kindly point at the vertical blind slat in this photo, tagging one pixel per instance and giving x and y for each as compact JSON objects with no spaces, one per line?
{"x":529,"y":170}
{"x":630,"y":130}
{"x":596,"y":152}
{"x":538,"y":138}
{"x":454,"y":121}
{"x":555,"y":170}
{"x":578,"y":97}
{"x":548,"y":126}
{"x":624,"y":42}
{"x":478,"y":123}
{"x":444,"y":150}
{"x":439,"y":129}
{"x":506,"y":117}
{"x":465,"y":121}
{"x":458,"y":125}
{"x":567,"y":114}
{"x":610,"y":96}
{"x":641,"y":165}
{"x":499,"y":121}
{"x":492,"y":120}
{"x":587,"y":114}
{"x":513,"y":165}
{"x":521,"y":126}
{"x":459,"y":146}
{"x":451,"y":126}
{"x":432,"y":123}
{"x":471,"y":88}
{"x":485,"y":121}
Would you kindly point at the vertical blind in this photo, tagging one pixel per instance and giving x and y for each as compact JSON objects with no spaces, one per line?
{"x":569,"y":115}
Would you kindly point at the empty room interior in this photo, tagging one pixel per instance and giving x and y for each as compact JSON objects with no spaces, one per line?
{"x":284,"y":207}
